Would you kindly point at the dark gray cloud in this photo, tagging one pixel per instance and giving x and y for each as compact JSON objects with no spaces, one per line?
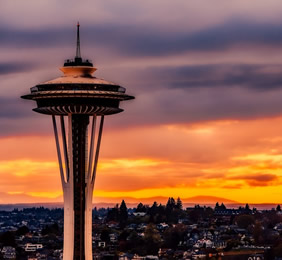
{"x":141,"y":40}
{"x":184,"y":94}
{"x":218,"y":38}
{"x":164,"y":94}
{"x":13,"y":108}
{"x":35,"y":38}
{"x":190,"y":105}
{"x":8,"y":68}
{"x":251,"y":76}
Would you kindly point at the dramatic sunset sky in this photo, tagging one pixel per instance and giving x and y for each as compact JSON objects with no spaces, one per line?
{"x":207,"y":76}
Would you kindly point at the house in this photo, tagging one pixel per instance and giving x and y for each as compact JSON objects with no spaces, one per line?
{"x":139,"y":214}
{"x":102,"y":244}
{"x":151,"y":257}
{"x":206,"y":243}
{"x":9,"y":252}
{"x":113,"y":237}
{"x":32,"y":247}
{"x":162,"y":226}
{"x":125,"y":256}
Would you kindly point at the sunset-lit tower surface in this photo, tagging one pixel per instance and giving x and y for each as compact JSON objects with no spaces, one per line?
{"x":80,"y":98}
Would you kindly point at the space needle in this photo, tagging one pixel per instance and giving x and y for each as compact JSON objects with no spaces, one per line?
{"x":78,"y":102}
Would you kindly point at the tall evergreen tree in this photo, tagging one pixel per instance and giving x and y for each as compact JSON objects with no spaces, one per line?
{"x":222,"y":206}
{"x":113,"y":214}
{"x":141,"y":208}
{"x":172,"y":202}
{"x":179,"y":203}
{"x":123,"y":214}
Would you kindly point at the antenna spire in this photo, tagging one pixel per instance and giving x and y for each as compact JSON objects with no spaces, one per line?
{"x":78,"y":55}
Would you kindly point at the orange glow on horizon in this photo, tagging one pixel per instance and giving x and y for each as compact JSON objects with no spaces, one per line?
{"x":237,"y":160}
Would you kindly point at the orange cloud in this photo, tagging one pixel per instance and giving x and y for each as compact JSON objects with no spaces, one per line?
{"x":232,"y":159}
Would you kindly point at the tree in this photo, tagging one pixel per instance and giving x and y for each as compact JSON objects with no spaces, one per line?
{"x":277,"y":251}
{"x":278,"y":208}
{"x":8,"y":239}
{"x":258,"y":233}
{"x":52,"y":229}
{"x":113,"y":214}
{"x":154,"y":208}
{"x":141,"y":208}
{"x":179,"y":203}
{"x":123,"y":215}
{"x":136,"y":243}
{"x":171,"y":211}
{"x":152,"y":239}
{"x":22,"y":231}
{"x":153,"y":212}
{"x":160,"y":217}
{"x":105,"y":235}
{"x":243,"y":221}
{"x":170,"y":203}
{"x":173,"y":235}
{"x":222,"y":206}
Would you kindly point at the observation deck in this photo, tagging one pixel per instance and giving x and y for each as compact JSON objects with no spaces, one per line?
{"x":78,"y":91}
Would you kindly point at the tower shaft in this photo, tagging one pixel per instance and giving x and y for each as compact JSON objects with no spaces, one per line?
{"x":79,"y":124}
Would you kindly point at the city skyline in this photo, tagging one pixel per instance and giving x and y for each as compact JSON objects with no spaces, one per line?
{"x":207,"y":119}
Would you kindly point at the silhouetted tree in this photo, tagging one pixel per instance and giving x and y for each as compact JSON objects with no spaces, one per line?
{"x":173,"y":235}
{"x":136,"y":244}
{"x":278,"y":208}
{"x":222,"y":206}
{"x":152,"y":211}
{"x":123,"y":214}
{"x":113,"y":214}
{"x":52,"y":229}
{"x":179,"y":203}
{"x":258,"y":233}
{"x":243,"y":221}
{"x":8,"y":239}
{"x":170,"y":203}
{"x":277,"y":250}
{"x":152,"y":239}
{"x":160,"y":214}
{"x":105,"y":235}
{"x":22,"y":231}
{"x":141,"y":208}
